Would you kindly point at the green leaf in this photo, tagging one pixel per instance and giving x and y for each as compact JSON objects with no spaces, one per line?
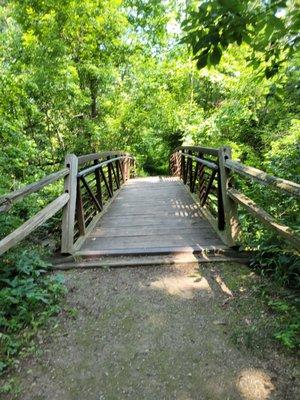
{"x":215,"y":56}
{"x":202,"y":61}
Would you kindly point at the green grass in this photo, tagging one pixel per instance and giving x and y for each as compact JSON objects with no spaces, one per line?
{"x":262,"y":313}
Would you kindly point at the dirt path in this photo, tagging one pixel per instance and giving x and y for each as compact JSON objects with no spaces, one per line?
{"x":149,"y":333}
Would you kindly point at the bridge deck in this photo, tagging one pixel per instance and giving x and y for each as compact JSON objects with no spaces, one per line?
{"x":153,"y":215}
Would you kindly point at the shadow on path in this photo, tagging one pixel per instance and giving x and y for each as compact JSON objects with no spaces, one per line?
{"x":147,"y":333}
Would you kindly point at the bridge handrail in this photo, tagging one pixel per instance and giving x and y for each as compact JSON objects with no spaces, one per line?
{"x":38,"y":219}
{"x":96,"y":186}
{"x":97,"y":156}
{"x":207,"y":163}
{"x":189,"y":162}
{"x":291,"y":188}
{"x":228,"y":196}
{"x":7,"y":200}
{"x":67,"y":201}
{"x":205,"y":150}
{"x":93,"y":168}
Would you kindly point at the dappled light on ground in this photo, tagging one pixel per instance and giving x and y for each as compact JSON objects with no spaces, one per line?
{"x":183,"y":257}
{"x":150,"y":333}
{"x":254,"y":384}
{"x":183,"y":286}
{"x":225,"y":289}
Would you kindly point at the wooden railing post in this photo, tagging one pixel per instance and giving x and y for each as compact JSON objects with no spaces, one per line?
{"x":229,"y":206}
{"x":68,"y":218}
{"x":98,"y":184}
{"x":80,"y":210}
{"x":121,"y":169}
{"x":184,"y":168}
{"x":190,"y":177}
{"x":126,"y":168}
{"x":110,"y":180}
{"x":178,"y":163}
{"x":201,"y":178}
{"x":118,"y":174}
{"x":131,"y":168}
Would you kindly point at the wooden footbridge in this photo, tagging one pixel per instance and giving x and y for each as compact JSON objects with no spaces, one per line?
{"x":107,"y":211}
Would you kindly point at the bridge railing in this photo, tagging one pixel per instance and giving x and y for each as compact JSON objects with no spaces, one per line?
{"x":98,"y":179}
{"x":7,"y":201}
{"x":89,"y":182}
{"x":288,"y":187}
{"x":198,"y":167}
{"x":209,"y":173}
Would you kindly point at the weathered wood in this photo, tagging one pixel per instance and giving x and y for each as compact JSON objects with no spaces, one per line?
{"x":68,"y":218}
{"x":93,"y":197}
{"x":152,"y":220}
{"x":151,"y":261}
{"x":259,"y":213}
{"x":230,"y":208}
{"x":206,"y":150}
{"x":106,"y":183}
{"x":100,"y":165}
{"x":201,"y":173}
{"x":174,"y":164}
{"x":109,"y":174}
{"x":133,"y":223}
{"x":193,"y":171}
{"x":193,"y":249}
{"x":37,"y":220}
{"x":93,"y":223}
{"x":208,"y":187}
{"x":98,"y":185}
{"x":117,"y":176}
{"x":7,"y":200}
{"x":221,"y":213}
{"x":190,"y":170}
{"x":201,"y":238}
{"x":146,"y":230}
{"x":207,"y":163}
{"x":106,"y":176}
{"x":162,"y":214}
{"x":195,"y":176}
{"x":80,"y":210}
{"x":120,"y":168}
{"x":183,"y":169}
{"x":126,"y":169}
{"x":292,"y":188}
{"x":97,"y":156}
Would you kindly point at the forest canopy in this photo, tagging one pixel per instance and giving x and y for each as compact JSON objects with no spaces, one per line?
{"x":146,"y":76}
{"x":90,"y":75}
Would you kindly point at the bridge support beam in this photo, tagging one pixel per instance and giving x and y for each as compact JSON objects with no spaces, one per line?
{"x":230,"y":207}
{"x":68,"y":219}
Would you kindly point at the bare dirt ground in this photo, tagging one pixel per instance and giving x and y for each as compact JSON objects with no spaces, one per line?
{"x":150,"y":333}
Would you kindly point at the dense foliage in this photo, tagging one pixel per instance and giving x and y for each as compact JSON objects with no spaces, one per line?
{"x":111,"y":74}
{"x":28,"y":298}
{"x":216,"y":24}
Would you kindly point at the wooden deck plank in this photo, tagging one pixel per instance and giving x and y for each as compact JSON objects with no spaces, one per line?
{"x":143,"y":230}
{"x":161,"y":213}
{"x":184,"y":206}
{"x":152,"y":250}
{"x":151,"y":220}
{"x":145,"y":242}
{"x":151,"y":216}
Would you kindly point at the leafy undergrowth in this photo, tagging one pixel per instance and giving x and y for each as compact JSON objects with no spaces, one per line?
{"x":262,"y":312}
{"x":29,"y":296}
{"x":281,"y":269}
